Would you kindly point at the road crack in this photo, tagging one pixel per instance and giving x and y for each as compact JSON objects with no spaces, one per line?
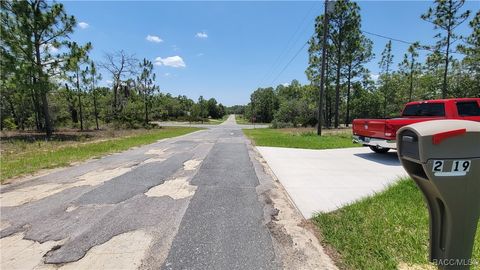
{"x":296,"y":244}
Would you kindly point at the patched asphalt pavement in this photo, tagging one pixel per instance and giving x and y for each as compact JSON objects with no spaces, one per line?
{"x":199,"y":201}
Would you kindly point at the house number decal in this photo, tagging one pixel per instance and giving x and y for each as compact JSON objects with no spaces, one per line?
{"x":459,"y":168}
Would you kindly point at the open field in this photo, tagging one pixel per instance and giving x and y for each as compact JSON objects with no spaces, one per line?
{"x":382,"y":232}
{"x":300,"y":138}
{"x":29,"y":152}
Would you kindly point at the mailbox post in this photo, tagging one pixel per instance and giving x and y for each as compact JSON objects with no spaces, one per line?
{"x":443,"y":158}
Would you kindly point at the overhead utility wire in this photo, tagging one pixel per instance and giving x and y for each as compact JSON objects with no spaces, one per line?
{"x":424,"y":47}
{"x":366,"y":32}
{"x":292,"y":41}
{"x":289,"y":62}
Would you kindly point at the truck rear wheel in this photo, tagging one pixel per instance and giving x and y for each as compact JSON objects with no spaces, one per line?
{"x":379,"y":150}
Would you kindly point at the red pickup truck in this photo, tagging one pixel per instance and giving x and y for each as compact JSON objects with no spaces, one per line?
{"x":380,"y":134}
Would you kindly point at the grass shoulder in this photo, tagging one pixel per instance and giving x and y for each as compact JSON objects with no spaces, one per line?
{"x":300,"y":138}
{"x":382,"y":231}
{"x":217,"y":121}
{"x":25,"y":153}
{"x":242,"y":120}
{"x":206,"y":121}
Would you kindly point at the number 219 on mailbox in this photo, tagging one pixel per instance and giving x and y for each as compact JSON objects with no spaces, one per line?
{"x":459,"y":168}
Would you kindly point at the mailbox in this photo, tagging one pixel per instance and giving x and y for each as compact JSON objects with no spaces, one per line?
{"x":443,"y":158}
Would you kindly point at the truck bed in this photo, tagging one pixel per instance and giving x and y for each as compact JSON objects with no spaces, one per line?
{"x":380,"y":134}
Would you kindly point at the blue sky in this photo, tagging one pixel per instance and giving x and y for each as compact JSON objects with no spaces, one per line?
{"x":228,"y":49}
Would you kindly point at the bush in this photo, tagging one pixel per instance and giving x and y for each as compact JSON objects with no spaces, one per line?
{"x":278,"y":124}
{"x":9,"y":124}
{"x":308,"y":134}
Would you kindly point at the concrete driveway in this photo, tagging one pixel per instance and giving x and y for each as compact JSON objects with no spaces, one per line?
{"x":325,"y":180}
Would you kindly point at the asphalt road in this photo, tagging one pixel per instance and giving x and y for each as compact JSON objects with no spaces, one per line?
{"x":200,"y":201}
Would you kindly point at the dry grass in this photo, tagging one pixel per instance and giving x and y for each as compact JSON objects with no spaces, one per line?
{"x":28,"y":152}
{"x":329,"y":131}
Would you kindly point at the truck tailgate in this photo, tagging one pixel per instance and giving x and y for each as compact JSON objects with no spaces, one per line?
{"x":374,"y":128}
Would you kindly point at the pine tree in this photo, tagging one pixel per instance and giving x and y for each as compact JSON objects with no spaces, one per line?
{"x":93,"y":78}
{"x":471,"y":48}
{"x":78,"y":58}
{"x":446,"y":16}
{"x":385,"y":65}
{"x":146,"y":84}
{"x":358,"y":52}
{"x":411,"y":67}
{"x":34,"y":30}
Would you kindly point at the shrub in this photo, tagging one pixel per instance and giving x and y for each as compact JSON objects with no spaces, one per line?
{"x":9,"y":124}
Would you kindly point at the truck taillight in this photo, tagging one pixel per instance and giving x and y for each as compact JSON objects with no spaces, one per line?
{"x":389,"y":130}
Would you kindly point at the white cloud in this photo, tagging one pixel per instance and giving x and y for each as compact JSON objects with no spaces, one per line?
{"x":286,"y":84}
{"x":171,"y":61}
{"x":201,"y":35}
{"x":374,"y":77}
{"x":200,"y":54}
{"x":155,"y":39}
{"x":83,"y":25}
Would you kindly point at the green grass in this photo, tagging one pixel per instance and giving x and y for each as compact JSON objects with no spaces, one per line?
{"x":241,"y":120}
{"x":308,"y":140}
{"x":382,"y":231}
{"x":55,"y":154}
{"x":217,"y":121}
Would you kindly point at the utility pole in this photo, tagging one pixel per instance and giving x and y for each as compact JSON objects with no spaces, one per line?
{"x":322,"y":72}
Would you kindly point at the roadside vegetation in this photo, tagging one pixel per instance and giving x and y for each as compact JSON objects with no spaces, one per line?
{"x":300,"y":138}
{"x":27,"y":153}
{"x":217,"y":121}
{"x":207,"y":121}
{"x":50,"y":82}
{"x":382,"y":231}
{"x":448,"y":67}
{"x":241,"y":120}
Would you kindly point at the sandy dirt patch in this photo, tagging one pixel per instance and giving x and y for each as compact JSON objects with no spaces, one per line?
{"x":28,"y":194}
{"x":157,"y":152}
{"x":34,"y":193}
{"x":151,"y":160}
{"x":97,"y":177}
{"x":178,"y":188}
{"x":124,"y":251}
{"x":18,"y":253}
{"x":71,"y":209}
{"x":191,"y":165}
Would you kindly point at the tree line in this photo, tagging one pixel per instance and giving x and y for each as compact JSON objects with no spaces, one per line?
{"x":48,"y":81}
{"x":351,"y":91}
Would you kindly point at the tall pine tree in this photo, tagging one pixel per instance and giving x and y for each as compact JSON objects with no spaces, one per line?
{"x":446,"y":15}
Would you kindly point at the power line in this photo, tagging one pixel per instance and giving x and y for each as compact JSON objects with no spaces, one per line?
{"x":289,"y":62}
{"x":385,"y":37}
{"x":422,"y":47}
{"x":366,"y":32}
{"x":292,"y":41}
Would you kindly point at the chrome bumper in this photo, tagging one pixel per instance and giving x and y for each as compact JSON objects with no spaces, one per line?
{"x":392,"y":144}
